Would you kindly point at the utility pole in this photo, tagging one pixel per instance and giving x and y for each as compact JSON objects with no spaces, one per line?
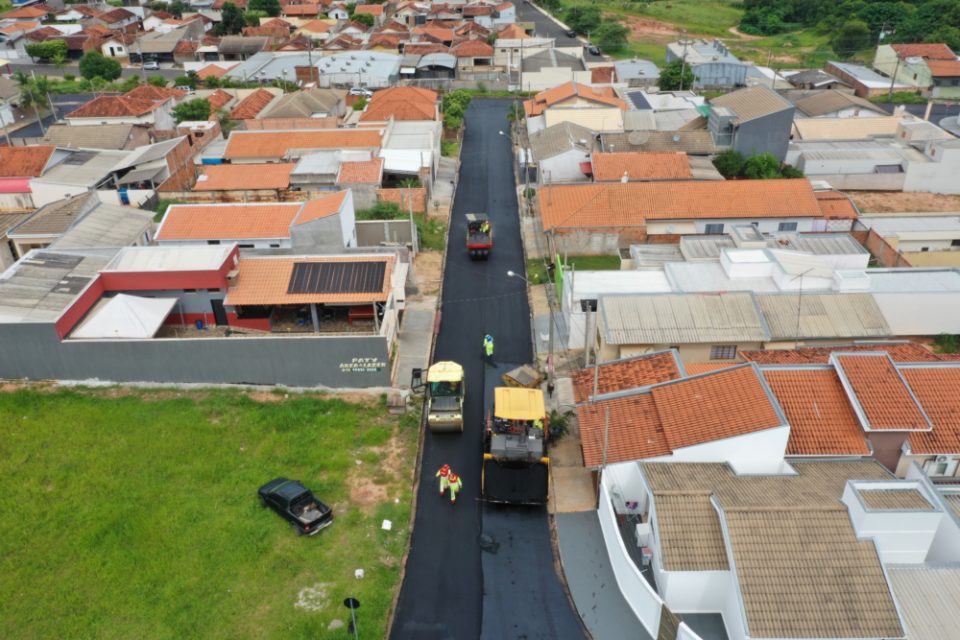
{"x":893,"y":78}
{"x":683,"y":63}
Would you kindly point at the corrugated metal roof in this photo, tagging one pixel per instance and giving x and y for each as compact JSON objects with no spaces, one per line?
{"x":681,"y":318}
{"x":107,"y":226}
{"x":558,"y":139}
{"x":752,"y":103}
{"x":823,"y":315}
{"x":929,"y":598}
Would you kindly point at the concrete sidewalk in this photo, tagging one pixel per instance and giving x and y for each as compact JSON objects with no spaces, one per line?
{"x":414,"y":339}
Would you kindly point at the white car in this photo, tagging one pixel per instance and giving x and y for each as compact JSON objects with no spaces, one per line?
{"x":151,"y":65}
{"x":360,"y":91}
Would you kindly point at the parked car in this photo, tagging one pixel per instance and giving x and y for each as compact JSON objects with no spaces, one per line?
{"x":360,"y":91}
{"x":151,"y":65}
{"x":594,"y":50}
{"x":570,"y":33}
{"x":296,"y":504}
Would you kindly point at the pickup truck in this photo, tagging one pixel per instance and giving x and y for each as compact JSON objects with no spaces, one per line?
{"x":296,"y":504}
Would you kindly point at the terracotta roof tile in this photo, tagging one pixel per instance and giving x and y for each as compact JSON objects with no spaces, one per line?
{"x":237,"y":177}
{"x":936,"y":389}
{"x":944,"y":68}
{"x":252,"y":105}
{"x":264,"y":281}
{"x":218,"y":99}
{"x":271,"y":144}
{"x":302,"y":10}
{"x":321,"y":207}
{"x":881,"y":393}
{"x":150,"y":92}
{"x":369,"y":172}
{"x":900,"y":352}
{"x":633,"y":203}
{"x":933,"y":51}
{"x":401,"y":103}
{"x":35,"y":11}
{"x":822,"y":422}
{"x":228,"y":222}
{"x":609,"y":167}
{"x":372,"y":9}
{"x":602,"y":75}
{"x":539,"y":103}
{"x":472,"y":49}
{"x":512,"y":32}
{"x":213,"y":71}
{"x":634,"y":431}
{"x":629,"y":373}
{"x":717,"y":405}
{"x":24,"y":162}
{"x":696,"y":368}
{"x":317,"y":26}
{"x":424,"y":48}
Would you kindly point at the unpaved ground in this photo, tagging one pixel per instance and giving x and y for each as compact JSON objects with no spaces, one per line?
{"x":898,"y":202}
{"x":742,"y":35}
{"x":645,"y":28}
{"x":368,"y":487}
{"x":427,"y":267}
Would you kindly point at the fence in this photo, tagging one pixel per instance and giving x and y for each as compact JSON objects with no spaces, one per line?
{"x":879,"y":248}
{"x":405,"y":198}
{"x":375,"y":233}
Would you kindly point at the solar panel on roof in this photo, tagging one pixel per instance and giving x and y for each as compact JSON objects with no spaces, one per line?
{"x":337,"y":277}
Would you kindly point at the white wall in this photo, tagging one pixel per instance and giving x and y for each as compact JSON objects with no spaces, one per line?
{"x":348,"y":221}
{"x":945,"y":546}
{"x":694,"y":591}
{"x":47,"y":192}
{"x":921,"y":313}
{"x":902,"y":537}
{"x":757,"y":452}
{"x":563,"y":168}
{"x":935,"y":177}
{"x":258,"y":243}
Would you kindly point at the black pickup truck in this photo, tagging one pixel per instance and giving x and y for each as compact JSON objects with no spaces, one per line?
{"x":296,"y":504}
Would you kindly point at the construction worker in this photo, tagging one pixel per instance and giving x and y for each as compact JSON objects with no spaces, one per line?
{"x":488,"y":347}
{"x":538,"y":424}
{"x":455,"y":485}
{"x":444,"y":475}
{"x":485,"y":228}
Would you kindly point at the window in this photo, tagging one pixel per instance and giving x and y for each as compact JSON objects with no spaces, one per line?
{"x":955,"y":243}
{"x":245,"y":246}
{"x":714,"y":229}
{"x":588,"y":305}
{"x":213,"y":242}
{"x":940,"y":466}
{"x":723,"y":352}
{"x":213,"y":290}
{"x":787,"y":226}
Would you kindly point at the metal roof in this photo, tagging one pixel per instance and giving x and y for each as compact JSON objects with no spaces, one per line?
{"x":44,"y":283}
{"x":822,"y":315}
{"x":681,"y":318}
{"x":929,"y":598}
{"x":170,"y":258}
{"x":702,"y":247}
{"x":560,"y":138}
{"x":107,"y":226}
{"x":437,"y":60}
{"x":914,"y":280}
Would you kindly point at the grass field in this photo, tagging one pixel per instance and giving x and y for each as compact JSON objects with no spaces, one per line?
{"x":135,"y":516}
{"x":537,"y":272}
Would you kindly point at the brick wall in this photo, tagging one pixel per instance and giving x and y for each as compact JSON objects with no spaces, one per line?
{"x":180,"y":162}
{"x":886,"y":255}
{"x":402,"y":198}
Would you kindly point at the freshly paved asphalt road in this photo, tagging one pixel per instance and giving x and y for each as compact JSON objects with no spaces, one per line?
{"x":64,"y":104}
{"x":448,"y":592}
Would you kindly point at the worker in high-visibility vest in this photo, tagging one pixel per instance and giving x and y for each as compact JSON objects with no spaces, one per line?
{"x":488,"y":347}
{"x":538,"y":424}
{"x":444,"y":475}
{"x":455,"y":485}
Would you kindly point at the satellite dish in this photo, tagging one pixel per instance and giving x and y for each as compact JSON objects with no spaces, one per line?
{"x":638,"y":137}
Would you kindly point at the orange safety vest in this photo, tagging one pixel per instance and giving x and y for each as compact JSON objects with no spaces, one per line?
{"x":443,"y":471}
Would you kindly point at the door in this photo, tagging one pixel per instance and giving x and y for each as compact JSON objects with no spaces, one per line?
{"x":219,"y":314}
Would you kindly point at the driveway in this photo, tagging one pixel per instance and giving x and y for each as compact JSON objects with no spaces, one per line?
{"x":449,"y":592}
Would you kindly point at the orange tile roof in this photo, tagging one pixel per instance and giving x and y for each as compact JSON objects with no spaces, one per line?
{"x":539,"y":103}
{"x":512,"y":32}
{"x":228,"y":221}
{"x":424,"y":48}
{"x":239,"y":177}
{"x":834,"y":204}
{"x":933,"y":51}
{"x":321,"y":207}
{"x":368,"y":172}
{"x":633,"y":203}
{"x":24,"y":162}
{"x":640,"y":166}
{"x":900,"y":352}
{"x":317,"y":26}
{"x":372,"y":9}
{"x":20,"y":26}
{"x":629,"y":373}
{"x":602,"y":75}
{"x":213,"y":71}
{"x":936,"y":389}
{"x":252,"y":105}
{"x":696,"y":368}
{"x":36,"y":11}
{"x":881,"y":393}
{"x":633,"y":430}
{"x":401,"y":103}
{"x":472,"y":49}
{"x":150,"y":92}
{"x":822,"y":422}
{"x":713,"y":406}
{"x":302,"y":10}
{"x":271,"y":144}
{"x":218,"y":99}
{"x":944,"y":68}
{"x":264,"y":281}
{"x":114,"y":107}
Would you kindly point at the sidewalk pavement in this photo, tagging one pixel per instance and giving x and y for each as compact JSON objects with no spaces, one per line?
{"x":415,"y":338}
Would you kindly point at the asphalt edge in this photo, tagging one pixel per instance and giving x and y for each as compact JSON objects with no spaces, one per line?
{"x":438,"y":318}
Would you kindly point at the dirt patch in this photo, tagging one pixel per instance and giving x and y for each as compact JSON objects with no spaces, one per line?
{"x":648,"y":27}
{"x":899,"y":202}
{"x":742,"y":35}
{"x":267,"y":396}
{"x":427,"y":267}
{"x":365,"y":492}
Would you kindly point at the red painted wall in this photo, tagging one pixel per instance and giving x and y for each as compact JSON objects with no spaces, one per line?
{"x":190,"y":319}
{"x":79,"y":308}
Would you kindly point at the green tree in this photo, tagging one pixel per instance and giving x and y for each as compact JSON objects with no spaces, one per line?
{"x":252,"y":18}
{"x":583,"y":19}
{"x":157,"y":81}
{"x":231,"y":20}
{"x":729,"y":163}
{"x":363,"y":18}
{"x":196,"y":109}
{"x":850,"y":38}
{"x":610,"y":36}
{"x":360,"y":104}
{"x":676,"y":75}
{"x":47,"y":50}
{"x":176,"y":8}
{"x":33,"y":93}
{"x":763,"y":166}
{"x":270,"y":7}
{"x":94,"y":64}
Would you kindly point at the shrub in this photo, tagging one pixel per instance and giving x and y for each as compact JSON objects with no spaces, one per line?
{"x":729,"y":163}
{"x":94,"y":64}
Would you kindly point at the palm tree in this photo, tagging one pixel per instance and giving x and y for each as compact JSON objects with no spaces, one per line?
{"x":33,"y":94}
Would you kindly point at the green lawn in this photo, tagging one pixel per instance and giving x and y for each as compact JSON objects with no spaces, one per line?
{"x":135,"y":516}
{"x":704,"y":17}
{"x":537,"y":271}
